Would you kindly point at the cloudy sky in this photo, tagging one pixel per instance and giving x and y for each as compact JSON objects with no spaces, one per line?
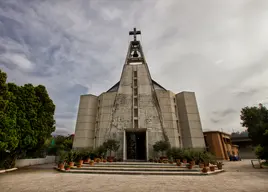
{"x":218,"y":49}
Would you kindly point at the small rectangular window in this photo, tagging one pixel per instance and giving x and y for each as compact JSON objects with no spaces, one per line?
{"x":135,"y":74}
{"x":136,"y":112}
{"x":135,"y":83}
{"x":135,"y":91}
{"x":135,"y":101}
{"x":136,"y":124}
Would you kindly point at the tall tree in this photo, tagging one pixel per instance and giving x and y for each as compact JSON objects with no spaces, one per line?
{"x":255,"y":119}
{"x":8,"y":133}
{"x":26,"y":119}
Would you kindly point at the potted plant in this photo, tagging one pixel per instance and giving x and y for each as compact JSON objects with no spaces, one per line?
{"x":212,"y":168}
{"x":201,"y":165}
{"x":178,"y":160}
{"x":170,"y":161}
{"x":104,"y":161}
{"x":62,"y":158}
{"x":111,"y":145}
{"x":219,"y":165}
{"x":178,"y":163}
{"x":97,"y":160}
{"x":91,"y":163}
{"x":78,"y":164}
{"x":70,"y":157}
{"x":204,"y":170}
{"x":184,"y":161}
{"x":67,"y":167}
{"x":189,"y":166}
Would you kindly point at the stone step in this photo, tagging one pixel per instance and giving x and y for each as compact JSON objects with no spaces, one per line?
{"x":133,"y":163}
{"x":174,"y":169}
{"x":136,"y":165}
{"x":138,"y":172}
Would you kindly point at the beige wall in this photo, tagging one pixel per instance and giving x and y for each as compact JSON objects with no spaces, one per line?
{"x":170,"y":117}
{"x":85,"y":124}
{"x":189,"y":119}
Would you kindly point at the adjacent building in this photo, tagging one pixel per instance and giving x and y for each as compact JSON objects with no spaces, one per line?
{"x":220,"y":144}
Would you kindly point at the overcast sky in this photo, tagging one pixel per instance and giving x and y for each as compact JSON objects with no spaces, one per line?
{"x":218,"y":49}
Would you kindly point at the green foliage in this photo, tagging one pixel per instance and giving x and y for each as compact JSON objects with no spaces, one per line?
{"x":26,"y":120}
{"x":198,"y":155}
{"x":161,"y":146}
{"x":71,"y":156}
{"x":111,"y":145}
{"x":101,"y":150}
{"x":60,"y":143}
{"x":8,"y":112}
{"x":255,"y":119}
{"x":62,"y":156}
{"x":261,"y":152}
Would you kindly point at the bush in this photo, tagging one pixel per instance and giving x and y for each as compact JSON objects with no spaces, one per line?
{"x":261,"y":152}
{"x":161,"y":146}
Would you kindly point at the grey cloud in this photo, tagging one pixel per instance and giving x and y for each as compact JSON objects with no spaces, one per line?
{"x":215,"y":120}
{"x":225,"y":112}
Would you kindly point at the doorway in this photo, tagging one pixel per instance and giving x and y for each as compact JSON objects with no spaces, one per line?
{"x":136,"y":145}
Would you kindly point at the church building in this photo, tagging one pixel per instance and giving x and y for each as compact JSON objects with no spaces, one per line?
{"x":138,"y":112}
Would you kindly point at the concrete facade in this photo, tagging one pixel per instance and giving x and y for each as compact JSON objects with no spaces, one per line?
{"x":137,"y":103}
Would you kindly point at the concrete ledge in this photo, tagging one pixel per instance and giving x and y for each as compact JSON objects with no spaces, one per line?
{"x":8,"y":170}
{"x":37,"y":161}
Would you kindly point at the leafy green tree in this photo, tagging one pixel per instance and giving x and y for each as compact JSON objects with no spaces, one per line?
{"x":8,"y":111}
{"x":111,"y":145}
{"x":161,"y":146}
{"x":255,"y":119}
{"x":26,"y":119}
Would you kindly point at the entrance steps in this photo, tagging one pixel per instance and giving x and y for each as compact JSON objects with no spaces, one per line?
{"x":134,"y":168}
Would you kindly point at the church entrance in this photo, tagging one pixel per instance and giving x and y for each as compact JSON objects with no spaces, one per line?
{"x":136,"y":145}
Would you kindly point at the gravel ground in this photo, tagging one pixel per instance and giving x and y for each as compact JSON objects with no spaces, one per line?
{"x":239,"y":176}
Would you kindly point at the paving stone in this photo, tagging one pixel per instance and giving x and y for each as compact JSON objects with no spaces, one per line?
{"x":239,"y":176}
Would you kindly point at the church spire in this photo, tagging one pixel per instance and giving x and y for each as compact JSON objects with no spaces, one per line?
{"x":135,"y":53}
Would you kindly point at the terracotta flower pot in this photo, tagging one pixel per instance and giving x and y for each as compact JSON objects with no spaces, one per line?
{"x":192,"y":162}
{"x":81,"y":162}
{"x":184,"y":160}
{"x":71,"y":164}
{"x":219,"y":166}
{"x":178,"y":163}
{"x":212,"y":168}
{"x":190,"y":166}
{"x":79,"y":166}
{"x":61,"y":166}
{"x":91,"y":163}
{"x":204,"y":170}
{"x":201,"y":165}
{"x":178,"y":160}
{"x":67,"y":168}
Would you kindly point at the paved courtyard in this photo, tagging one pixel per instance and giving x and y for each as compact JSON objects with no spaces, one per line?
{"x":239,"y":176}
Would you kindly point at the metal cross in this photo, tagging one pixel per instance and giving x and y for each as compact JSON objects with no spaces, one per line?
{"x":135,"y":33}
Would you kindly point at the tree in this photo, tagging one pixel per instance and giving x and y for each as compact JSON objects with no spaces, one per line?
{"x":26,"y":119}
{"x":255,"y":119}
{"x":161,"y":146}
{"x":111,"y":145}
{"x":9,"y":139}
{"x":8,"y":111}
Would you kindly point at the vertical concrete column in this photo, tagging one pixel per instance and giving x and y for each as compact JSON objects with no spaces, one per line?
{"x":191,"y":129}
{"x":85,"y":125}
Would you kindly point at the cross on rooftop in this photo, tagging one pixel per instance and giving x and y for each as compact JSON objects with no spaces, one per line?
{"x":135,"y":33}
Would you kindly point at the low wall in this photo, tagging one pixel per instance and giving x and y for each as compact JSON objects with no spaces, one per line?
{"x":37,"y":161}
